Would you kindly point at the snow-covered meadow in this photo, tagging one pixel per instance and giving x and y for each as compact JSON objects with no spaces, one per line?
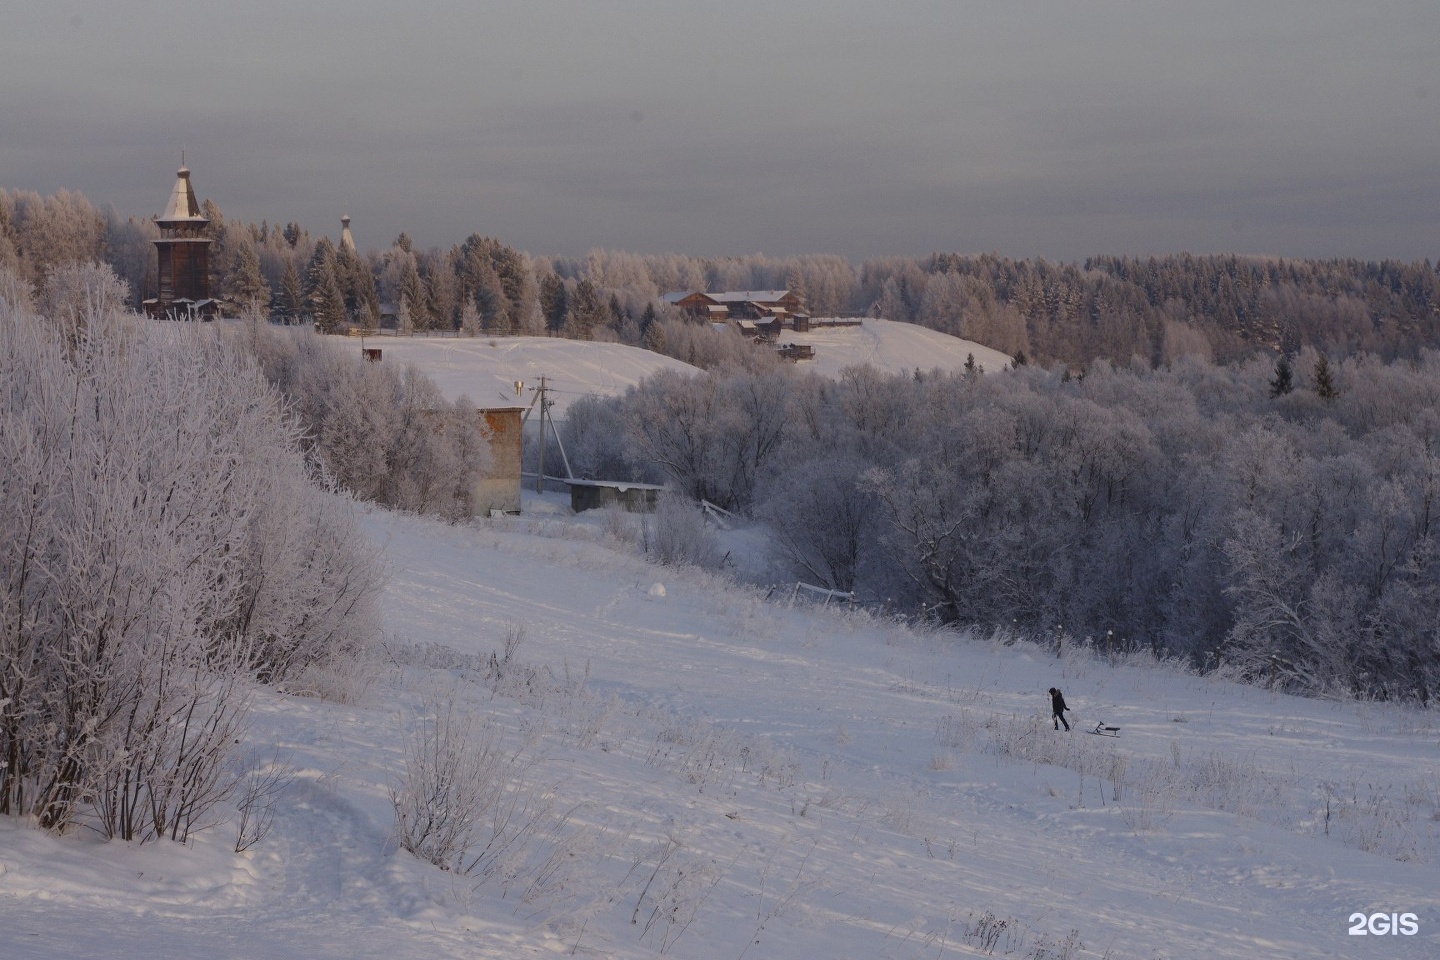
{"x":714,"y":774}
{"x":485,"y":368}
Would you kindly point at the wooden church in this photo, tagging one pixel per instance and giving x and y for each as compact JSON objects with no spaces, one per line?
{"x":184,"y":257}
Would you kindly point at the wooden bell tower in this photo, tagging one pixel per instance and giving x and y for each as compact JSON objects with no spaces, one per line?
{"x":184,"y":257}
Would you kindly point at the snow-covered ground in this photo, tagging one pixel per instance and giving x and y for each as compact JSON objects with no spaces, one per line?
{"x":485,"y":368}
{"x":748,"y":779}
{"x":892,"y":347}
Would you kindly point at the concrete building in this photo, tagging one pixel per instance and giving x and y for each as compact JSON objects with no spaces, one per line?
{"x":498,"y":489}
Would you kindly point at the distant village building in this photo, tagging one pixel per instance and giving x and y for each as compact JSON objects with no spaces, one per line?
{"x":738,"y":304}
{"x":183,"y":253}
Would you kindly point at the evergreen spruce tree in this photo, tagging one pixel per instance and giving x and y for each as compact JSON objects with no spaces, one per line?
{"x":554,"y":303}
{"x":1284,"y":380}
{"x":618,"y":316}
{"x":654,"y":338}
{"x":1325,"y":387}
{"x":357,"y":285}
{"x":489,"y":296}
{"x":292,"y":295}
{"x":587,"y":313}
{"x":414,"y":294}
{"x":245,"y":286}
{"x":323,"y":292}
{"x":496,"y":277}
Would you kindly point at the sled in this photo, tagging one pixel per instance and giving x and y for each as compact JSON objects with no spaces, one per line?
{"x":1105,"y":731}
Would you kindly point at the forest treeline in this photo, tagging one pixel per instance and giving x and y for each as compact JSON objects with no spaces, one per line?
{"x":1287,"y":528}
{"x":1219,"y":307}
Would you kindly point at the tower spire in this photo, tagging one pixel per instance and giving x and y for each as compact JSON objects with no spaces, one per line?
{"x":347,"y":239}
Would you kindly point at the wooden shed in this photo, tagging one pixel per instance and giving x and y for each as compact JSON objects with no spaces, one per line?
{"x":593,"y":494}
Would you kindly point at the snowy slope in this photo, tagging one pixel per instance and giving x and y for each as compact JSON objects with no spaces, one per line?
{"x":777,"y":782}
{"x":893,"y":347}
{"x":485,"y":368}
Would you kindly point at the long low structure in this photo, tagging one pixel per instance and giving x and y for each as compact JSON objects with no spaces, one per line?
{"x":593,"y":494}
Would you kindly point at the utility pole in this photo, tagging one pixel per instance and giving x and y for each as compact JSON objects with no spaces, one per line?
{"x":540,"y":471}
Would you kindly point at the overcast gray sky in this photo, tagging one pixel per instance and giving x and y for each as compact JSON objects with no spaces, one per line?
{"x":1055,"y":129}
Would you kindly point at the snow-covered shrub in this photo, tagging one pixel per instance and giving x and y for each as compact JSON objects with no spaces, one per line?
{"x":468,"y":802}
{"x":679,"y":534}
{"x":675,"y":891}
{"x":139,"y":465}
{"x":958,"y":731}
{"x":306,"y":604}
{"x":260,"y":784}
{"x":1147,"y":801}
{"x":75,"y":291}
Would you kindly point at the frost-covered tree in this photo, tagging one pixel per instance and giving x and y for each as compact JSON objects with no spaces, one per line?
{"x":142,"y":464}
{"x":292,"y":295}
{"x":323,"y":291}
{"x":382,"y":433}
{"x":245,"y":286}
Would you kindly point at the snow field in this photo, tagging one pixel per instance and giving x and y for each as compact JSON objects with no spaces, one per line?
{"x":485,"y":368}
{"x":732,"y":778}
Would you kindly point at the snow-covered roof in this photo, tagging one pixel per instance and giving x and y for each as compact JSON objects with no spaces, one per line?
{"x":621,"y":485}
{"x":675,"y":296}
{"x":183,"y":205}
{"x":748,"y":296}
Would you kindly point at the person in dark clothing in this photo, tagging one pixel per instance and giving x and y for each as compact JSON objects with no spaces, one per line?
{"x":1057,"y":705}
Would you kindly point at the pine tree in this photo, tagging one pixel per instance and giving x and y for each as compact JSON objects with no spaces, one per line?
{"x":292,"y":295}
{"x":323,"y":291}
{"x":587,"y":312}
{"x":489,"y":296}
{"x":1325,"y":387}
{"x":618,"y":314}
{"x":414,"y":295}
{"x":1284,"y":380}
{"x":245,"y":286}
{"x":357,"y":283}
{"x":487,"y":266}
{"x":554,"y":303}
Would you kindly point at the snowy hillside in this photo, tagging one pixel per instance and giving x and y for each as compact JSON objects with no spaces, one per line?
{"x":485,"y":368}
{"x":744,"y":779}
{"x":893,"y":347}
